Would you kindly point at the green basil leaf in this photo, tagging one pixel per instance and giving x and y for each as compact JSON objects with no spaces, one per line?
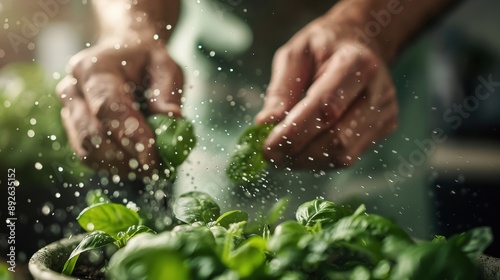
{"x":231,"y":217}
{"x":249,"y":259}
{"x":473,"y":242}
{"x":286,"y":234}
{"x":320,"y":211}
{"x":247,"y":161}
{"x":138,"y":229}
{"x":94,"y":240}
{"x":196,"y":206}
{"x":442,"y":260}
{"x":148,"y":256}
{"x":220,"y":234}
{"x":108,"y":217}
{"x":175,"y":138}
{"x":277,"y":210}
{"x":123,"y":237}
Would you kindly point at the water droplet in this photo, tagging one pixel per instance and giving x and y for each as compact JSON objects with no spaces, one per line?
{"x":116,"y":179}
{"x":47,"y":208}
{"x":38,"y":166}
{"x":31,"y":133}
{"x":90,"y":226}
{"x":131,"y":124}
{"x":139,"y":147}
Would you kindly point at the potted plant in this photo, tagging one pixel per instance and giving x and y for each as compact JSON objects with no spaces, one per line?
{"x":325,"y":241}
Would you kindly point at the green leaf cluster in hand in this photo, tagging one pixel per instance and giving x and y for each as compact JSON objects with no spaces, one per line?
{"x":175,"y":139}
{"x":247,"y":161}
{"x":326,"y":241}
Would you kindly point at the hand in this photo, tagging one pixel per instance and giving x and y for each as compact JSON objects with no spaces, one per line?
{"x":107,"y":87}
{"x":331,"y":96}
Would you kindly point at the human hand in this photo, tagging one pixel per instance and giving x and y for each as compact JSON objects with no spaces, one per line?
{"x":103,"y":98}
{"x":331,"y":96}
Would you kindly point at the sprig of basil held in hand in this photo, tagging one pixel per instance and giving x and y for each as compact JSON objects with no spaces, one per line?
{"x":175,"y":139}
{"x":247,"y":161}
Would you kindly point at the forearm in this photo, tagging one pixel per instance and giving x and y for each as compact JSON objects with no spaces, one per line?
{"x":120,"y":19}
{"x":388,"y":24}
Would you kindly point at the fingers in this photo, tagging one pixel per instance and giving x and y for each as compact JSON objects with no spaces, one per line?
{"x":289,"y":79}
{"x":121,"y":121}
{"x":345,"y":142}
{"x":104,"y":126}
{"x":101,"y":113}
{"x":166,"y":82}
{"x":350,"y":104}
{"x":344,"y":77}
{"x":85,"y":133}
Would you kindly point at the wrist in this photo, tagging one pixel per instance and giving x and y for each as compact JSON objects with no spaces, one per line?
{"x":368,"y":23}
{"x":152,"y":20}
{"x":388,"y":24}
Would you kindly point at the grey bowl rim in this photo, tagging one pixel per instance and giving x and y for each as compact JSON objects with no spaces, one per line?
{"x":38,"y":265}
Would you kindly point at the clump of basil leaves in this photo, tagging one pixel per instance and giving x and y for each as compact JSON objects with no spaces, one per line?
{"x":247,"y":162}
{"x":107,"y":223}
{"x":326,"y":241}
{"x":175,"y":139}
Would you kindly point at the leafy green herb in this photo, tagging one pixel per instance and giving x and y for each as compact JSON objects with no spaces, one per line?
{"x":148,"y":256}
{"x":108,"y":223}
{"x":320,"y":211}
{"x":326,"y":241}
{"x":443,"y":260}
{"x":247,"y":161}
{"x":276,"y":211}
{"x":231,"y":217}
{"x":94,"y":240}
{"x":196,"y":207}
{"x":175,"y":139}
{"x":108,"y":217}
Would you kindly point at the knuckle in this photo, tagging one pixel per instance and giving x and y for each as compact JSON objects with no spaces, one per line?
{"x":101,"y":102}
{"x":290,"y":51}
{"x":101,"y":105}
{"x":341,"y":148}
{"x":62,"y":87}
{"x":368,"y":62}
{"x":333,"y":106}
{"x":79,"y":68}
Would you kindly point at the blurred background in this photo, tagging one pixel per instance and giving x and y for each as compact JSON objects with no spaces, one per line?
{"x":438,"y":174}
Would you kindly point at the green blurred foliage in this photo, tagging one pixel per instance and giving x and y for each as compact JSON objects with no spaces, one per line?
{"x":32,"y":137}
